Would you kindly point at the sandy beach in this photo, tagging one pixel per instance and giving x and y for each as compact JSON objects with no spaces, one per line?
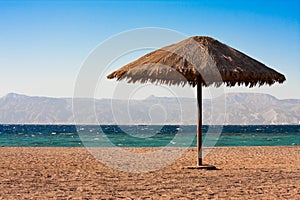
{"x":73,"y":173}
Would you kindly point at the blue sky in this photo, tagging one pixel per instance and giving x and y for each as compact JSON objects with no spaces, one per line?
{"x":44,"y":43}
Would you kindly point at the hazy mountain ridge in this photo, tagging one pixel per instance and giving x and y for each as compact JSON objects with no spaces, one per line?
{"x":234,"y":108}
{"x":255,"y":108}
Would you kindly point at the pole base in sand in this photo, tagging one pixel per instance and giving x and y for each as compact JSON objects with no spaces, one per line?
{"x":205,"y":167}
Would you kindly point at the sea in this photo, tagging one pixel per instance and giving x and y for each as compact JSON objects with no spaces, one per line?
{"x":147,"y":135}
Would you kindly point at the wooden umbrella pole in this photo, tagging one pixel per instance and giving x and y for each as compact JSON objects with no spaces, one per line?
{"x":199,"y":124}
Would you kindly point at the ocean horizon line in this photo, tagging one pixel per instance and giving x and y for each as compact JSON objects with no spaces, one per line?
{"x":66,"y":124}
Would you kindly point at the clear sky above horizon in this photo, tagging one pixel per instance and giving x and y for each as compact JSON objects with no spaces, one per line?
{"x":44,"y":43}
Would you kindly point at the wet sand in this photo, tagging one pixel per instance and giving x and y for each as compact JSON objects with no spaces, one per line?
{"x":73,"y":173}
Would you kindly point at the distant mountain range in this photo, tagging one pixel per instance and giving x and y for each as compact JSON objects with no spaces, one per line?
{"x":234,"y":108}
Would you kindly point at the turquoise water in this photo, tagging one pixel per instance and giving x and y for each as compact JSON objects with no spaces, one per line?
{"x":147,"y":136}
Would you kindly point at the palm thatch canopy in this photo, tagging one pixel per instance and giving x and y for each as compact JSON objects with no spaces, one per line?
{"x":198,"y":59}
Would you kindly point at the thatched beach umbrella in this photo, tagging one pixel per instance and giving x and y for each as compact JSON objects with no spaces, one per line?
{"x":198,"y":61}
